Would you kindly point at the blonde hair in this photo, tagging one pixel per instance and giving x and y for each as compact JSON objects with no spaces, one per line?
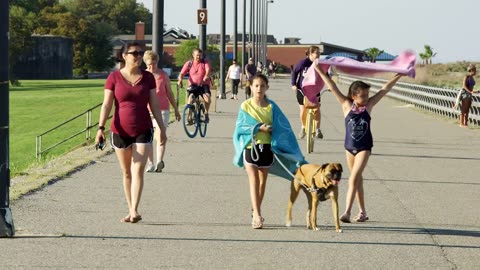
{"x":149,"y":57}
{"x":471,"y":67}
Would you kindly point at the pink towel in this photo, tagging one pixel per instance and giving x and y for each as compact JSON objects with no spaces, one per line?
{"x":312,"y":83}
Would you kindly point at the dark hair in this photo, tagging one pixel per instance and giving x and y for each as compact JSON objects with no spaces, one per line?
{"x":119,"y":57}
{"x":356,"y":87}
{"x":261,"y":77}
{"x":312,"y":49}
{"x":127,"y":46}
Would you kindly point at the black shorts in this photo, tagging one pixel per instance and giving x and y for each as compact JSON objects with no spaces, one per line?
{"x":120,"y":142}
{"x":198,"y":90}
{"x":300,"y":96}
{"x":264,"y":159}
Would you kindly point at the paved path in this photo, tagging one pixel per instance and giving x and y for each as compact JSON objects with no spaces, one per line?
{"x":422,"y":192}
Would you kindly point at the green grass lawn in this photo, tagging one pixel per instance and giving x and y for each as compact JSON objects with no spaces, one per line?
{"x":39,"y":105}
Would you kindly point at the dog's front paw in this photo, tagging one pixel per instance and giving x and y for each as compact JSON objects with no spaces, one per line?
{"x":288,"y":224}
{"x":339,"y":230}
{"x":316,"y":229}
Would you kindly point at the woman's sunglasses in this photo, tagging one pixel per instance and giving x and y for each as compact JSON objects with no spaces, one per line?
{"x":136,"y":53}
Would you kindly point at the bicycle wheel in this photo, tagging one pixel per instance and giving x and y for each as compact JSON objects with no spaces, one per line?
{"x":310,"y":131}
{"x":190,"y":120}
{"x":202,"y":125}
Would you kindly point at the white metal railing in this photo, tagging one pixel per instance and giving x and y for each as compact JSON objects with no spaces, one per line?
{"x":434,"y":99}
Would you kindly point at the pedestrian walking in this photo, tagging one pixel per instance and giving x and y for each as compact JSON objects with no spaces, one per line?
{"x":131,"y":89}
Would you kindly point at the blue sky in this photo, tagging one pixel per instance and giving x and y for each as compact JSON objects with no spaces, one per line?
{"x":449,"y":27}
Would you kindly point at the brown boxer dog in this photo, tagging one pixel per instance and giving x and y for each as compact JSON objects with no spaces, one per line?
{"x":319,"y":183}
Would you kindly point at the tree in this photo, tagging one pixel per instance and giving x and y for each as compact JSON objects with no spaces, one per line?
{"x":428,"y":54}
{"x":424,"y":57}
{"x":21,"y":26}
{"x":123,"y":15}
{"x":90,"y":23}
{"x":184,"y":53}
{"x":373,"y":53}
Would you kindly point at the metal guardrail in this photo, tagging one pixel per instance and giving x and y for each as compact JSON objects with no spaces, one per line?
{"x":39,"y":150}
{"x":434,"y":99}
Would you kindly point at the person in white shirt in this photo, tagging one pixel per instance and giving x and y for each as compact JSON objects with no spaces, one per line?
{"x":234,"y":73}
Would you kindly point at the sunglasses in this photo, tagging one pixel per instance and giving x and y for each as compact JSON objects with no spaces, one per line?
{"x":136,"y":53}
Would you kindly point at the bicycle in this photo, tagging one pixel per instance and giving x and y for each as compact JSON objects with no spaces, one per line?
{"x":310,"y":123}
{"x":194,"y":114}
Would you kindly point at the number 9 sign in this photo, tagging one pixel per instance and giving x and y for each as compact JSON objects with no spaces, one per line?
{"x":202,"y":16}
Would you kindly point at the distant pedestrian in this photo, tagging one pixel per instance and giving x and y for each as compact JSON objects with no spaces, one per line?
{"x":234,"y":74}
{"x":131,"y":90}
{"x":250,"y":71}
{"x":165,"y":98}
{"x":272,"y":67}
{"x":357,"y":107}
{"x":260,"y":67}
{"x":466,"y":94}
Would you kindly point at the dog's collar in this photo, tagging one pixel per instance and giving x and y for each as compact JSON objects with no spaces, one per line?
{"x":314,"y":187}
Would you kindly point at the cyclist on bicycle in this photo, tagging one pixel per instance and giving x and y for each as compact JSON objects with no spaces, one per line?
{"x":313,"y":52}
{"x":198,"y":80}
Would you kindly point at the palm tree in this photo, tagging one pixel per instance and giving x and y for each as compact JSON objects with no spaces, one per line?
{"x":373,"y":53}
{"x":424,"y":58}
{"x":429,"y":54}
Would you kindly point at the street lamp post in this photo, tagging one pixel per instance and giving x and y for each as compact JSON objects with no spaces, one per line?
{"x":235,"y":8}
{"x":6,"y":221}
{"x":157,"y":31}
{"x":244,"y":29}
{"x":251,"y":34}
{"x":266,"y":28}
{"x":222,"y":52}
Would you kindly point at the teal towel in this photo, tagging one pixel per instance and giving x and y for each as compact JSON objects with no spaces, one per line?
{"x":284,"y":144}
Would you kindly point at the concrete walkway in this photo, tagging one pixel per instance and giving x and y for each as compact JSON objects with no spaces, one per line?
{"x":422,"y":193}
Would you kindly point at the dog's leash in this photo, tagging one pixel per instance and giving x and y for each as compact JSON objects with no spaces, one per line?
{"x":255,"y":156}
{"x":309,"y":189}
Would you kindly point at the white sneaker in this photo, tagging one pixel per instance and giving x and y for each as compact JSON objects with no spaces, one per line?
{"x":302,"y":133}
{"x":150,"y":168}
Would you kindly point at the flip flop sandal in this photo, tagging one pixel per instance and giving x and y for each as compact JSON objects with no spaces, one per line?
{"x":345,"y":218}
{"x":125,"y":219}
{"x":361,"y":218}
{"x":135,"y":219}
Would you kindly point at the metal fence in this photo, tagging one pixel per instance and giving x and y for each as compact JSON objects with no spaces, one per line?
{"x":40,"y":150}
{"x":434,"y":99}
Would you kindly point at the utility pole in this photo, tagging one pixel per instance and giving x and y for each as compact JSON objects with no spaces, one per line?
{"x":6,"y":221}
{"x":157,"y":29}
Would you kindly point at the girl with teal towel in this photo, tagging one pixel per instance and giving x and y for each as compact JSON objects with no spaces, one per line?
{"x":263,"y":139}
